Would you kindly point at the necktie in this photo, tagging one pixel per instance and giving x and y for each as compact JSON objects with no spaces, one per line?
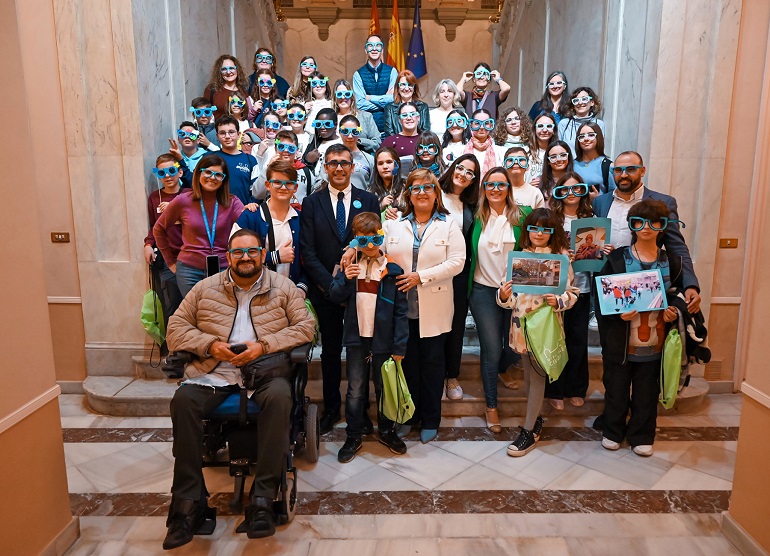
{"x":341,"y":224}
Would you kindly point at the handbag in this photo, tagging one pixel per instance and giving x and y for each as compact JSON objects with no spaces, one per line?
{"x":395,"y":402}
{"x":670,"y":368}
{"x":267,"y":367}
{"x":544,"y":336}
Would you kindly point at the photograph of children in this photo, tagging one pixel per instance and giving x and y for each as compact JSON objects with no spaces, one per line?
{"x":632,"y":291}
{"x":538,"y":273}
{"x":587,"y":238}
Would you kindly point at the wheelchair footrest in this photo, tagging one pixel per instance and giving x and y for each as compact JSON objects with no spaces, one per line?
{"x":208,"y":526}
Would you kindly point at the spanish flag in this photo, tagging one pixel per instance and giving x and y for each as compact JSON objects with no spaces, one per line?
{"x":395,"y":44}
{"x":374,"y":22}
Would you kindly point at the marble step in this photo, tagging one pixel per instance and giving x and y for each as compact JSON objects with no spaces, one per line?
{"x":139,"y":397}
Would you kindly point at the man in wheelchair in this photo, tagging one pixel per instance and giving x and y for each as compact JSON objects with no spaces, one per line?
{"x":258,"y":313}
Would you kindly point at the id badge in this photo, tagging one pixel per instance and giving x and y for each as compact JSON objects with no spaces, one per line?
{"x":212,"y":265}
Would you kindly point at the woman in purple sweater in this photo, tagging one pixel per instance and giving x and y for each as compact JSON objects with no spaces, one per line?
{"x":206,"y":214}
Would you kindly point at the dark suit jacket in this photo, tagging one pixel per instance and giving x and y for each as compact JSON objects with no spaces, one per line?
{"x":673,"y":239}
{"x":321,"y":244}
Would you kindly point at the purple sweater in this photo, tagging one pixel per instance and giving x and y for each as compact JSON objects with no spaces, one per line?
{"x":195,"y":242}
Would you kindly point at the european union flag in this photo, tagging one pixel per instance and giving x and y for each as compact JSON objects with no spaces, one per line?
{"x":415,"y":56}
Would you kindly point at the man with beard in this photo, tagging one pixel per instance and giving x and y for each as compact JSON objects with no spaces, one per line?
{"x":245,"y":304}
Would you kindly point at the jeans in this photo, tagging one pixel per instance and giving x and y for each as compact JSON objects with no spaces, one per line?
{"x":187,"y":276}
{"x":359,"y":368}
{"x":424,"y":371}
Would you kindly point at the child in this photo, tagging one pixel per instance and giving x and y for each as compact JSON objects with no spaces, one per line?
{"x":387,"y":182}
{"x":188,"y":148}
{"x":203,"y":112}
{"x":322,"y":97}
{"x":516,"y":162}
{"x":296,"y":116}
{"x":427,"y":154}
{"x":456,"y":136}
{"x":281,"y":107}
{"x":325,"y":127}
{"x":632,"y":342}
{"x":286,"y":149}
{"x":375,"y":325}
{"x":363,"y":163}
{"x":261,"y":97}
{"x":544,"y":234}
{"x":237,"y":109}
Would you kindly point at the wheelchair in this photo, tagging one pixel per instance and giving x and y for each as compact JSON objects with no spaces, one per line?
{"x":229,"y":440}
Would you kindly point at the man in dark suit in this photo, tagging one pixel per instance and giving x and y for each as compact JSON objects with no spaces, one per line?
{"x":629,"y":170}
{"x":325,"y":230}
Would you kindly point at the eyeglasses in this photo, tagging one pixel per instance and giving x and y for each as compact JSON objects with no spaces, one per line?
{"x":578,"y":190}
{"x":581,"y":100}
{"x":539,"y":229}
{"x":620,"y":170}
{"x":318,"y":82}
{"x":405,"y":115}
{"x":307,"y":64}
{"x":636,"y":223}
{"x":227,"y":69}
{"x":422,"y":188}
{"x":266,"y":58}
{"x":296,"y":116}
{"x":458,"y":121}
{"x":481,"y":73}
{"x":235,"y":101}
{"x":267,"y":83}
{"x":372,"y":46}
{"x":549,"y":127}
{"x":488,"y":124}
{"x":511,"y":119}
{"x":431,"y":149}
{"x":285,"y":147}
{"x":203,"y":112}
{"x":328,"y":124}
{"x":556,"y":83}
{"x":520,"y":161}
{"x":347,"y":131}
{"x":166,"y":172}
{"x":247,"y":143}
{"x":558,"y":156}
{"x":252,"y":252}
{"x":288,"y":185}
{"x":211,"y":174}
{"x":226,"y":133}
{"x":193,"y":135}
{"x":343,"y":94}
{"x":584,"y":136}
{"x":279,"y":104}
{"x":272,"y":125}
{"x":334,"y":164}
{"x":463,"y":171}
{"x":363,"y":241}
{"x":495,"y":185}
{"x":408,"y":86}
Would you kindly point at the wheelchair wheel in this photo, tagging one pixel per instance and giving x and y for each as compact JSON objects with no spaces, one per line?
{"x":312,"y":433}
{"x":290,"y":502}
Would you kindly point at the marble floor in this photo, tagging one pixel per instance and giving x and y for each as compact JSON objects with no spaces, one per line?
{"x":458,"y":495}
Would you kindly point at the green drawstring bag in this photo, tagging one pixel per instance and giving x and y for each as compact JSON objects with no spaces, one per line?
{"x":670,"y":368}
{"x":545,"y":340}
{"x":396,"y":401}
{"x":311,"y":310}
{"x":152,"y":317}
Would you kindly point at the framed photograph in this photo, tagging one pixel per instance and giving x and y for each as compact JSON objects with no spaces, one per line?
{"x":587,"y":238}
{"x":538,"y":273}
{"x":632,"y":291}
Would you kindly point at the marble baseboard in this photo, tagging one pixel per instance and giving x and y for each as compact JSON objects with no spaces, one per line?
{"x":740,"y":538}
{"x":113,"y":361}
{"x":64,"y":540}
{"x":71,"y":386}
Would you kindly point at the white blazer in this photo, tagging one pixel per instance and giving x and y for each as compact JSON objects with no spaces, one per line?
{"x":441,"y":257}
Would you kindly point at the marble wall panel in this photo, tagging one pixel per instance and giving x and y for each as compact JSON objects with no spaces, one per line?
{"x":577,"y":29}
{"x":126,"y":78}
{"x":199,"y":45}
{"x":68,"y":47}
{"x":248,"y":31}
{"x":649,"y":80}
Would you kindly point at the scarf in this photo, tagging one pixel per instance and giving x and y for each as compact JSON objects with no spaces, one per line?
{"x":478,"y":94}
{"x":434,"y":168}
{"x":490,"y":160}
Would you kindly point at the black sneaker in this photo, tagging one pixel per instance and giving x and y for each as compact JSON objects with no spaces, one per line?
{"x":260,"y":521}
{"x":349,"y":449}
{"x":367,"y":427}
{"x":390,"y":439}
{"x":523,"y":443}
{"x":328,"y":420}
{"x":537,"y":430}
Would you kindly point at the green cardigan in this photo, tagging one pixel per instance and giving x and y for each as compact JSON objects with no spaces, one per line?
{"x":517,"y":230}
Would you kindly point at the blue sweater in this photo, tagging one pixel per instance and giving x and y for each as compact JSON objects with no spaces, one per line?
{"x":243,"y":171}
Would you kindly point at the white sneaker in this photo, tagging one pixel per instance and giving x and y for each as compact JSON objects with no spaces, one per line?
{"x":644,"y":450}
{"x":592,"y":323}
{"x":608,"y":444}
{"x":453,"y":389}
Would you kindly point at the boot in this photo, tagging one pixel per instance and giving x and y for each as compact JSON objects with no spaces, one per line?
{"x":260,"y":520}
{"x":186,"y":518}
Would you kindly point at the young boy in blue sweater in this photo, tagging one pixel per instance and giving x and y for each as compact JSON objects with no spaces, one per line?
{"x":376,"y":328}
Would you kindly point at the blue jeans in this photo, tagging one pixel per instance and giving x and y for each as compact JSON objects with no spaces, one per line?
{"x":187,"y":276}
{"x":357,"y":397}
{"x":492,"y":325}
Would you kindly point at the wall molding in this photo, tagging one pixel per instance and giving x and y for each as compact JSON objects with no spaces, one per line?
{"x":117,"y":345}
{"x":725,"y":300}
{"x":64,"y":540}
{"x":739,"y":537}
{"x":64,"y":300}
{"x":29,"y":408}
{"x":755,"y":394}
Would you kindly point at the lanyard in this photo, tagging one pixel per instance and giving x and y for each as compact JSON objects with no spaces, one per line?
{"x":481,"y":102}
{"x":210,"y":231}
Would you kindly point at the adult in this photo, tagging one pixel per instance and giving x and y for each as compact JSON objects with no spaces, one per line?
{"x":374,"y":82}
{"x":591,"y":162}
{"x":582,"y":107}
{"x":407,"y":90}
{"x":552,"y":101}
{"x":431,"y":250}
{"x":447,"y":98}
{"x":264,"y":59}
{"x":558,"y":161}
{"x":545,"y":132}
{"x":325,"y":228}
{"x":481,"y":124}
{"x":350,"y":132}
{"x":480,"y":97}
{"x":300,"y":91}
{"x":267,"y":313}
{"x":460,"y":189}
{"x":227,"y":77}
{"x":405,"y":141}
{"x":496,"y":230}
{"x":206,"y":215}
{"x":345,"y":104}
{"x":242,"y":169}
{"x":456,"y":136}
{"x":514,"y":129}
{"x":516,"y":163}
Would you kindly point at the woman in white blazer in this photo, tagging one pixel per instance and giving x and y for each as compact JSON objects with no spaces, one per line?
{"x":431,"y":250}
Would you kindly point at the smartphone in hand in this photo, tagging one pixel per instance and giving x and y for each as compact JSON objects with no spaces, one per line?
{"x":238,"y":348}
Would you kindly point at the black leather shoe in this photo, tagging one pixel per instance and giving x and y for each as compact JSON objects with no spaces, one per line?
{"x":187,"y":518}
{"x":260,"y":521}
{"x":598,"y":423}
{"x":390,"y":439}
{"x":328,"y":420}
{"x":349,"y":449}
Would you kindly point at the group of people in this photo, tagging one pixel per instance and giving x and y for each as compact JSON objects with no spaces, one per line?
{"x":394,"y":219}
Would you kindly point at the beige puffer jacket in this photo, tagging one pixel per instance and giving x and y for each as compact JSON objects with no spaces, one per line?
{"x":278,"y":312}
